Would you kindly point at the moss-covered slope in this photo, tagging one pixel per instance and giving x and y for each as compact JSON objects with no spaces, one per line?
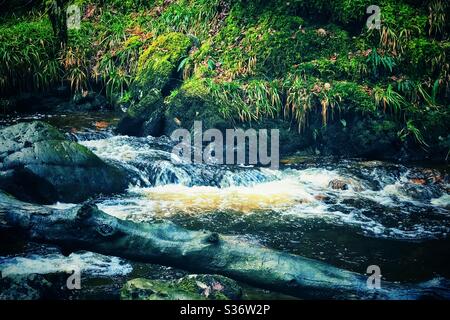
{"x":311,"y":68}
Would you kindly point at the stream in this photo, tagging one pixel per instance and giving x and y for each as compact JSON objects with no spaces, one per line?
{"x":349,"y":213}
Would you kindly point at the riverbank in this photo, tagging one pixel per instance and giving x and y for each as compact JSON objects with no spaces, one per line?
{"x":330,"y":86}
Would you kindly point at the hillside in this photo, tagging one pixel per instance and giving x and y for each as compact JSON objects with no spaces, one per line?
{"x":310,"y":68}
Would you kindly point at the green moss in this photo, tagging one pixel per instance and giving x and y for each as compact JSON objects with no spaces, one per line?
{"x":244,"y":60}
{"x":144,"y":289}
{"x":213,"y":287}
{"x":403,"y":16}
{"x":58,"y":152}
{"x":193,"y":101}
{"x":144,"y":108}
{"x":384,"y":126}
{"x":159,"y":61}
{"x":420,"y":51}
{"x":353,"y":96}
{"x":133,"y":41}
{"x":193,"y":287}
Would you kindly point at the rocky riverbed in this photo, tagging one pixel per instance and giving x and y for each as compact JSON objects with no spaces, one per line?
{"x":348,"y":213}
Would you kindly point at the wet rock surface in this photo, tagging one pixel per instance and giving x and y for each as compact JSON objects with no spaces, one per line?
{"x":191,"y":287}
{"x":27,"y":287}
{"x":34,"y":286}
{"x":144,"y":117}
{"x":38,"y":164}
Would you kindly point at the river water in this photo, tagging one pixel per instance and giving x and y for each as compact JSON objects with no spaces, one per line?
{"x":349,"y":213}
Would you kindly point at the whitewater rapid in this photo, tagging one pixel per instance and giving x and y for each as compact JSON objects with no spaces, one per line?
{"x":162,"y":188}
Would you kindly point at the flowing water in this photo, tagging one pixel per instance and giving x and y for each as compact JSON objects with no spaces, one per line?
{"x":348,"y":213}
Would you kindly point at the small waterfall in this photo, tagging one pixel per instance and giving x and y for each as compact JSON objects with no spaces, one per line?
{"x":149,"y":160}
{"x":88,"y":135}
{"x":377,"y":199}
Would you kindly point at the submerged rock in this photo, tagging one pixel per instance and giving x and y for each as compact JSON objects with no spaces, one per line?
{"x":192,"y":287}
{"x":421,"y":192}
{"x":338,"y":184}
{"x":24,"y":287}
{"x":38,"y":164}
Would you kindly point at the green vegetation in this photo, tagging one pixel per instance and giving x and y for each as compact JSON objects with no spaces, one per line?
{"x":159,"y":61}
{"x":248,"y":60}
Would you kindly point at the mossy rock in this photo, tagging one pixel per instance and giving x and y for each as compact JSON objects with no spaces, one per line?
{"x":15,"y":137}
{"x":192,"y":102}
{"x":38,"y":164}
{"x":144,"y":108}
{"x":362,"y":137}
{"x":192,"y":287}
{"x":34,"y":286}
{"x":149,"y":107}
{"x":159,"y":62}
{"x":53,"y":152}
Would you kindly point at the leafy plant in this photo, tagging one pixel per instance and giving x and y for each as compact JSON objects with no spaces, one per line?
{"x":387,"y":97}
{"x":437,"y":17}
{"x":411,"y":129}
{"x":379,"y":62}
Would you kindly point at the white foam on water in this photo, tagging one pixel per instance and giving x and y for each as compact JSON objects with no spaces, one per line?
{"x":86,"y":262}
{"x":174,"y":198}
{"x":62,"y":205}
{"x":121,"y":148}
{"x":178,"y":189}
{"x":443,"y":201}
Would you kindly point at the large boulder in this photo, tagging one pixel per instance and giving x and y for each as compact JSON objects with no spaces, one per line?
{"x":372,"y":137}
{"x":193,"y":102}
{"x":156,"y":76}
{"x":38,"y":164}
{"x":192,"y":287}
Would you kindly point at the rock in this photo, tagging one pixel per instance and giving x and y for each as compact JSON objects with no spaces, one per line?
{"x":34,"y":286}
{"x":159,"y":62}
{"x":85,"y":101}
{"x":154,"y":126}
{"x":144,"y":117}
{"x":321,"y":32}
{"x":420,"y":181}
{"x":192,"y":287}
{"x":424,"y":176}
{"x":155,"y":77}
{"x":89,"y":101}
{"x":192,"y":102}
{"x":362,"y":137}
{"x":338,"y":184}
{"x":422,"y":193}
{"x":24,"y":287}
{"x":321,"y":197}
{"x":39,"y":164}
